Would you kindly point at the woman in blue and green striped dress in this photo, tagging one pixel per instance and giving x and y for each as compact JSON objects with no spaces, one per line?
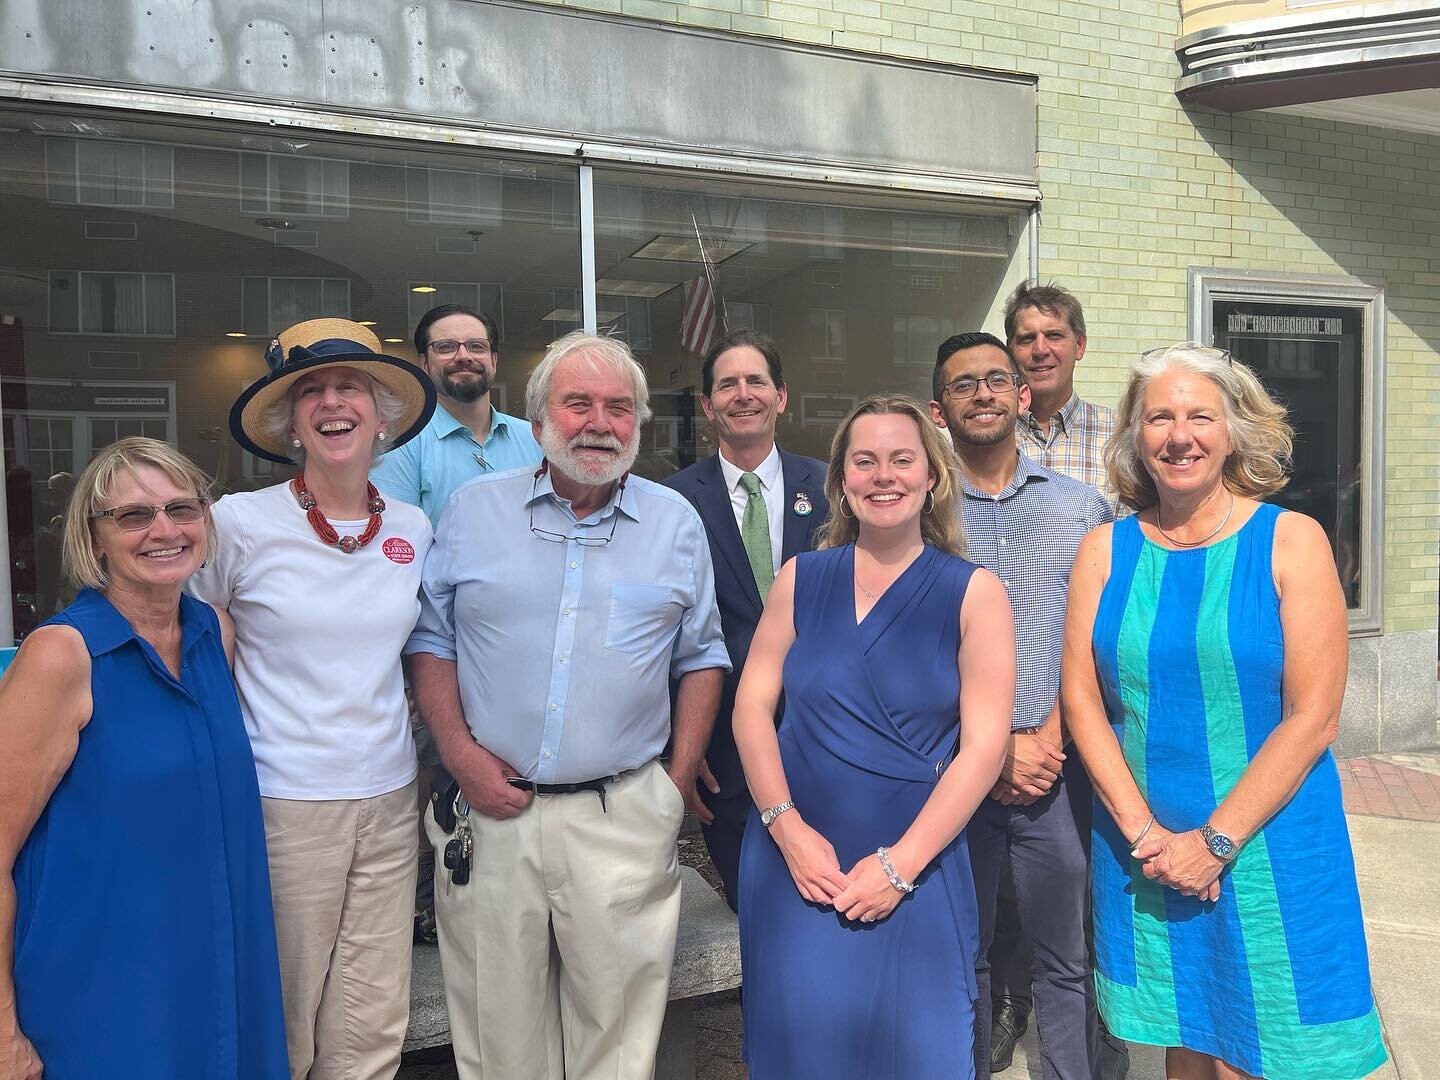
{"x":1205,"y":663}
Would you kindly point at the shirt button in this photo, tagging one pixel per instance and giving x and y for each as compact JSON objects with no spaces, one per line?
{"x":548,"y":755}
{"x":553,"y":706}
{"x":1002,"y":541}
{"x":574,"y":566}
{"x":1007,"y":585}
{"x":567,"y":611}
{"x":561,"y":659}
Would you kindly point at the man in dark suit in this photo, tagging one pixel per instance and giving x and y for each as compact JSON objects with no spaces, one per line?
{"x":760,"y":506}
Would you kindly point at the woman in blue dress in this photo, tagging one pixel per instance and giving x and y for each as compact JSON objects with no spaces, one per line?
{"x":858,"y":925}
{"x":136,"y":934}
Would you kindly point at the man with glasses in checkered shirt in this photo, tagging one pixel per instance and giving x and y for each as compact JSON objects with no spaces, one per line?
{"x":1024,"y":523}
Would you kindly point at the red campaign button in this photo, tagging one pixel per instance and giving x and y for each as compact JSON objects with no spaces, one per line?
{"x":398,"y":550}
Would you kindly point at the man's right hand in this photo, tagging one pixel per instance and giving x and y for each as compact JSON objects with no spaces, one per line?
{"x":482,"y":781}
{"x":1032,"y":762}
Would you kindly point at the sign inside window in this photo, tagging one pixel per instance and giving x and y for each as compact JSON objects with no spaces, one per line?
{"x":1311,"y":357}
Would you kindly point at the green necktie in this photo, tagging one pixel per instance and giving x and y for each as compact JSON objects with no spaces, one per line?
{"x":755,"y":533}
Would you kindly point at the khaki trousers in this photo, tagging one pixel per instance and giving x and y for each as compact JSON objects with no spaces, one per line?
{"x":557,"y":953}
{"x":342,"y":875}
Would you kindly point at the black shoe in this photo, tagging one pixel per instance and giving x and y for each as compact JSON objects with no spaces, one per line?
{"x":1007,"y":1024}
{"x":1114,"y":1056}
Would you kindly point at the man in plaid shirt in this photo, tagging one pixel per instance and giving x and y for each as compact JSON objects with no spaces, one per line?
{"x":1045,"y":328}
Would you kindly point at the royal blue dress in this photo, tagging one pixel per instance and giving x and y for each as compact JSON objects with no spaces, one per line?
{"x":144,"y":936}
{"x":871,"y":716}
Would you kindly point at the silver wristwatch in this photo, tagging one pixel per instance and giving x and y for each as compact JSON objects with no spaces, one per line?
{"x":1220,"y":845}
{"x":770,"y":813}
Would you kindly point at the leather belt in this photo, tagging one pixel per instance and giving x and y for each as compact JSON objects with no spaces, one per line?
{"x":597,"y":786}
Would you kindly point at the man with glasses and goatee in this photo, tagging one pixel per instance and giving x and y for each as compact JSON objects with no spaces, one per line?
{"x":1024,"y":523}
{"x":459,"y":348}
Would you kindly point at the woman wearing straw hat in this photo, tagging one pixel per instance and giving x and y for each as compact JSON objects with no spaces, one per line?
{"x":321,"y":576}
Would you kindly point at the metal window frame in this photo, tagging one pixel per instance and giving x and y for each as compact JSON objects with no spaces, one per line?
{"x":1207,"y":284}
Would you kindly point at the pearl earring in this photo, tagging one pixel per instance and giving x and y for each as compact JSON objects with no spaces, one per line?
{"x":380,"y":435}
{"x":295,"y":443}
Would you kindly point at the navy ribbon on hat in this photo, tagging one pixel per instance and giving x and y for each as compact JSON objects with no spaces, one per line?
{"x":276,"y":358}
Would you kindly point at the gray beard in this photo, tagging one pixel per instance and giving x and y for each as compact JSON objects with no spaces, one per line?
{"x":566,"y":460}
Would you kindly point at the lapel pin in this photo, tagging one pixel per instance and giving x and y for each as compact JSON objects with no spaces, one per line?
{"x":802,"y":504}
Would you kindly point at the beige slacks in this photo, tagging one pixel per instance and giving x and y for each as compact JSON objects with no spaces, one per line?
{"x":342,"y":875}
{"x":557,"y":954}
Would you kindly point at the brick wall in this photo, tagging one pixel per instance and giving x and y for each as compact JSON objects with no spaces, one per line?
{"x":1138,"y":189}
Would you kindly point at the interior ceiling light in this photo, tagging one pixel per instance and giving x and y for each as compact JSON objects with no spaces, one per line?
{"x":276,"y":223}
{"x":367,"y":322}
{"x":687,"y":249}
{"x":236,"y":333}
{"x":622,"y":287}
{"x":393,"y":340}
{"x":423,"y":288}
{"x":572,"y":315}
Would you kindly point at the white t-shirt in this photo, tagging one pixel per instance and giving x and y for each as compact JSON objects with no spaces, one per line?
{"x":318,"y":635}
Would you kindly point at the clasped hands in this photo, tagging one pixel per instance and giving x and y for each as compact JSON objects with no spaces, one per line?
{"x":1032,"y":765}
{"x":1181,"y":861}
{"x":863,"y":895}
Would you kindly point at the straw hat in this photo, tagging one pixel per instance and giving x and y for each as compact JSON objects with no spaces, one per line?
{"x":322,"y":343}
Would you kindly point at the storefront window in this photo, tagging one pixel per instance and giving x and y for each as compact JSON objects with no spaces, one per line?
{"x":157,"y":261}
{"x":857,"y":296}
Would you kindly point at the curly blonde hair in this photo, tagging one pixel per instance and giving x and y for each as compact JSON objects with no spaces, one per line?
{"x":1260,"y":437}
{"x":941,"y":527}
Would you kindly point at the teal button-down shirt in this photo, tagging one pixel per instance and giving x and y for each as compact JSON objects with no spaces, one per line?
{"x":426,"y":470}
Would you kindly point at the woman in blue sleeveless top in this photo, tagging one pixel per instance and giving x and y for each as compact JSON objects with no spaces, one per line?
{"x":858,"y":926}
{"x":1204,"y":668}
{"x":132,"y":853}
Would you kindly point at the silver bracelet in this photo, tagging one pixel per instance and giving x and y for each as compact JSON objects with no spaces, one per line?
{"x":883,"y":854}
{"x":1148,"y":825}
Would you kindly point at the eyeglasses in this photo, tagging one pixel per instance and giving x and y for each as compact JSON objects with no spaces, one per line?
{"x":997,"y":381}
{"x":447,"y":348}
{"x":562,"y":538}
{"x":135,"y":517}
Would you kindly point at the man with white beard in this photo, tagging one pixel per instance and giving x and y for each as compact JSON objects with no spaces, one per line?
{"x":556,"y":606}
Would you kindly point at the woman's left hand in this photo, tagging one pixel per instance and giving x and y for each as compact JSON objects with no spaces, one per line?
{"x":1184,"y":863}
{"x":869,"y":897}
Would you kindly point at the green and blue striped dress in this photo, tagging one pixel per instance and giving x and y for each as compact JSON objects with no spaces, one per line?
{"x":1273,"y":978}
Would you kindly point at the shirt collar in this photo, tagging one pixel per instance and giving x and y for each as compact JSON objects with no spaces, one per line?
{"x":768,"y":470}
{"x":444,"y":424}
{"x":107,"y":629}
{"x":622,"y":498}
{"x":1065,"y":417}
{"x":1025,"y":471}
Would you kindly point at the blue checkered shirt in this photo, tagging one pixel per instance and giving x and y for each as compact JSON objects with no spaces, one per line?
{"x":1027,"y":535}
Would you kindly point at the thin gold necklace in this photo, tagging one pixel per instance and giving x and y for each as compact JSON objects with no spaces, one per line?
{"x":1208,"y":536}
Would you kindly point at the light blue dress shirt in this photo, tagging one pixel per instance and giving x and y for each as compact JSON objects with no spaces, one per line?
{"x":565,"y":651}
{"x":427,"y":469}
{"x":1027,"y":536}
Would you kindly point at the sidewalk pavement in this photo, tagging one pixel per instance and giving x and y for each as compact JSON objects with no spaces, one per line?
{"x":1392,"y":805}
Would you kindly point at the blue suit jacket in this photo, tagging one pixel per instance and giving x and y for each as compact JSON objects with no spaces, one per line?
{"x":735,"y":590}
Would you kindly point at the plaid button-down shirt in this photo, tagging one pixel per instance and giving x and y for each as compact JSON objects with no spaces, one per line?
{"x":1076,"y":442}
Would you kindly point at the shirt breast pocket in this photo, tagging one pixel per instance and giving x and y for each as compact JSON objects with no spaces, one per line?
{"x":640,"y":615}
